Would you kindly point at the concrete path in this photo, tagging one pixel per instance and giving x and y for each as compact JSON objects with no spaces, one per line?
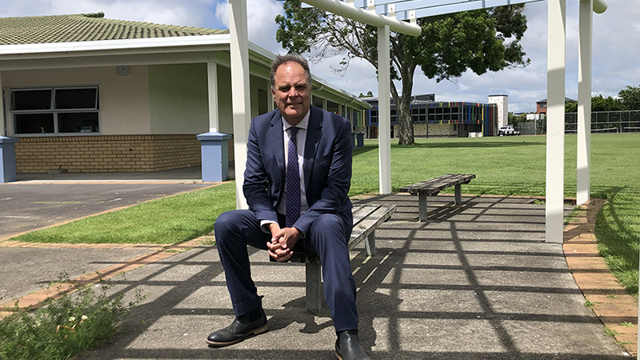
{"x":475,"y":282}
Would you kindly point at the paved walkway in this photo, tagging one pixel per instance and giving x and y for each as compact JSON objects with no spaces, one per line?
{"x":475,"y":282}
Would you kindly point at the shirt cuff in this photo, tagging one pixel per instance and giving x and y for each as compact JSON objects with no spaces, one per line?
{"x":264,"y":225}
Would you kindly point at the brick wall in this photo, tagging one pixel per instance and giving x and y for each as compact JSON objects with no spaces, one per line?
{"x":107,"y":153}
{"x":230,"y":149}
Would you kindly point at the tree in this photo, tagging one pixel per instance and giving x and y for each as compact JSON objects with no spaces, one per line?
{"x":480,"y":40}
{"x":368,"y":94}
{"x":630,"y":98}
{"x":601,"y":103}
{"x":598,"y":103}
{"x":516,"y":119}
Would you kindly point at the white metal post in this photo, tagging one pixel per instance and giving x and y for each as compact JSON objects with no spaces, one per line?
{"x":555,"y":120}
{"x":384,"y":109}
{"x":584,"y":102}
{"x":212,"y":86}
{"x":241,"y":101}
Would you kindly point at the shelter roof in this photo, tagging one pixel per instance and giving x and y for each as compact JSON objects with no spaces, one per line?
{"x":86,"y":27}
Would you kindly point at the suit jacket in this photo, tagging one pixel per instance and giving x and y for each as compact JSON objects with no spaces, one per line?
{"x":327,"y":166}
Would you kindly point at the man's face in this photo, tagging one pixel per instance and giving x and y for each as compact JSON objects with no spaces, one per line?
{"x":292,"y":92}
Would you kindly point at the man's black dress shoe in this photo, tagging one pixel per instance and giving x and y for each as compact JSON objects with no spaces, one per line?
{"x":348,"y":346}
{"x":238,"y":331}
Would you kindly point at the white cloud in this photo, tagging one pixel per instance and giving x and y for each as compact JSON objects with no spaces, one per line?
{"x":222,"y":13}
{"x":615,"y":45}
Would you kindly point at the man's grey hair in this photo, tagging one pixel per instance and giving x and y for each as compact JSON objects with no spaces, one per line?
{"x":283,"y":59}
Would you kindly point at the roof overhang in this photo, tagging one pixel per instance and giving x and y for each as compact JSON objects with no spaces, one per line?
{"x":154,"y":51}
{"x":115,"y":47}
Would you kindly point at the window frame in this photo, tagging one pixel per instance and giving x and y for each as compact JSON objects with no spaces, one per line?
{"x":56,"y":112}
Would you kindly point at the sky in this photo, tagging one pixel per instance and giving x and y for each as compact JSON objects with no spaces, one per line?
{"x":616,"y":46}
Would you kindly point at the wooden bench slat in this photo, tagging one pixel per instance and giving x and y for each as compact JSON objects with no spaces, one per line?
{"x":434,"y":186}
{"x":365,"y":228}
{"x":362,"y":212}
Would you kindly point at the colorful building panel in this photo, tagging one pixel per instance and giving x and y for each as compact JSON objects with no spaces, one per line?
{"x":439,"y":118}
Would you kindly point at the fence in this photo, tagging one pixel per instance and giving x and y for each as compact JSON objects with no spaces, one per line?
{"x":607,"y":121}
{"x":601,"y":122}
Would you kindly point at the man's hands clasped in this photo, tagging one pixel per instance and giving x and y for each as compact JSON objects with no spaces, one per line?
{"x":282,"y":242}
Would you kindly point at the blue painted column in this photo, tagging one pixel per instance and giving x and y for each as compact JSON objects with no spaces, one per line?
{"x":215,"y":156}
{"x":7,"y":159}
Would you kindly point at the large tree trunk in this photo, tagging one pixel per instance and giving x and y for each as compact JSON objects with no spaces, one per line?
{"x":405,"y":123}
{"x":403,"y":105}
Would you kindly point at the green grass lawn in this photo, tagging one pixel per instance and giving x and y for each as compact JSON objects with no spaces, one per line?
{"x":165,"y":221}
{"x":517,"y":166}
{"x":503,"y":165}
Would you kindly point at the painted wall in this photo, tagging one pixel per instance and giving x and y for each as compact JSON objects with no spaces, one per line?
{"x":441,"y":130}
{"x":178,"y":99}
{"x":419,"y":129}
{"x":124,"y":100}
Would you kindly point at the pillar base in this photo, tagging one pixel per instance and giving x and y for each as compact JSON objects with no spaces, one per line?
{"x":7,"y":159}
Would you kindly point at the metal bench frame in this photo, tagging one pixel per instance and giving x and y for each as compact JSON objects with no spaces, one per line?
{"x":434,"y":186}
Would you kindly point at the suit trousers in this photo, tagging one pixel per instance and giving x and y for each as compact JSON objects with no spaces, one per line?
{"x":327,"y":238}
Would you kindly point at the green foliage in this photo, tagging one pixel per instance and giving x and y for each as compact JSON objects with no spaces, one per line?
{"x":368,"y":94}
{"x":64,"y":327}
{"x":630,"y":98}
{"x":610,"y":332}
{"x":598,"y":103}
{"x":617,"y":230}
{"x":570,"y":107}
{"x":517,"y":119}
{"x":449,"y":45}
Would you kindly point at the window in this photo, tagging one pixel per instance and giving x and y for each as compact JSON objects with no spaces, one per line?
{"x":55,"y":110}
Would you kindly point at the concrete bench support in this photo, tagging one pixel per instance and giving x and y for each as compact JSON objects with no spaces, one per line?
{"x":313,"y":276}
{"x":366,"y":219}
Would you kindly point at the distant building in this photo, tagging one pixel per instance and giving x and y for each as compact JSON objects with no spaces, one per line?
{"x":541,"y":105}
{"x":437,"y":118}
{"x":503,"y":108}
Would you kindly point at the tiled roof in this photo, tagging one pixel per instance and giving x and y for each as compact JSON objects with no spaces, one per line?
{"x":86,"y":27}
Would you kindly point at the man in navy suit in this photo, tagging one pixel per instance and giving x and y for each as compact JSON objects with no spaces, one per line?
{"x":296,"y":182}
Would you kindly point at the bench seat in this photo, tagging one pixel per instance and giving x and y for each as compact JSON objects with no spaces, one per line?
{"x":433,"y":187}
